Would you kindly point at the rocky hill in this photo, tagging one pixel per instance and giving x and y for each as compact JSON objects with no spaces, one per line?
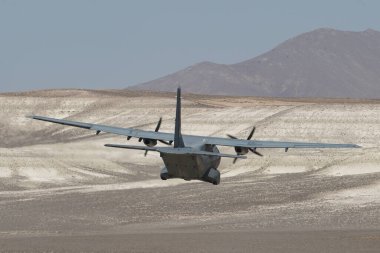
{"x":320,"y":63}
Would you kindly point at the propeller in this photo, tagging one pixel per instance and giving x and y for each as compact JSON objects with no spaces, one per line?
{"x":253,"y":150}
{"x":158,"y":125}
{"x":251,"y":133}
{"x":156,"y":130}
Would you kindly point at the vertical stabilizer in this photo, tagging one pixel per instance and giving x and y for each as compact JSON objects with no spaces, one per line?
{"x":178,"y":141}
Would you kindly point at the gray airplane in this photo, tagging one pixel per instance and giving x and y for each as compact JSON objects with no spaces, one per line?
{"x":191,"y":156}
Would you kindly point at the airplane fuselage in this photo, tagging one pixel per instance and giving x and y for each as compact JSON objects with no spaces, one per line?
{"x":191,"y":166}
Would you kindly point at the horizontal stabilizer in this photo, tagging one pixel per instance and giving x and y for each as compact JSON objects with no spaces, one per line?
{"x":176,"y":151}
{"x":131,"y":147}
{"x":190,"y":151}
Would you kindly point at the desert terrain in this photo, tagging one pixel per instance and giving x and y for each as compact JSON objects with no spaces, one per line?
{"x":61,"y":190}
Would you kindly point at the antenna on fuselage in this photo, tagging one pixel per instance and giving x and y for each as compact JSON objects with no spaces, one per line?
{"x":178,"y":141}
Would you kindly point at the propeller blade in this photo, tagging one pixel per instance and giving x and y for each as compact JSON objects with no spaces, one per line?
{"x":158,"y":125}
{"x":235,"y":159}
{"x":251,"y":133}
{"x":253,"y":150}
{"x":231,"y":136}
{"x":146,"y":152}
{"x":165,"y":142}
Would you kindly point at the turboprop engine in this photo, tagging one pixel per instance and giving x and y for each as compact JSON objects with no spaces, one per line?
{"x":241,"y":150}
{"x":150,"y":142}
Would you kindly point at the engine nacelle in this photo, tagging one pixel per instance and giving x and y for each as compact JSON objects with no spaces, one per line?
{"x":241,"y":150}
{"x":150,"y":142}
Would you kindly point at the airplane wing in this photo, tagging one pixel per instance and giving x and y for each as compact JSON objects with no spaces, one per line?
{"x":130,"y":132}
{"x":169,"y":137}
{"x":271,"y":144}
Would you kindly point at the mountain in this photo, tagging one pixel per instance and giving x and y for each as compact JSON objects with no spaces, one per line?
{"x":320,"y":63}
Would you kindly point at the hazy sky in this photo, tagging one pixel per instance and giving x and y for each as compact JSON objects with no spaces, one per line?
{"x":113,"y":44}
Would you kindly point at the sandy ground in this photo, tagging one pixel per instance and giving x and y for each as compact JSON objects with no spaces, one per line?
{"x":61,"y":190}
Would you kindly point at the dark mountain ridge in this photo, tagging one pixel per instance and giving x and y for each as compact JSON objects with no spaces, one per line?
{"x":321,"y":63}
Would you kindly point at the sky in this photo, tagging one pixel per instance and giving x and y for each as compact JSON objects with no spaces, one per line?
{"x":94,"y":44}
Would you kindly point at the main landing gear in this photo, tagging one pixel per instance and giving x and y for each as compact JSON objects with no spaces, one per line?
{"x":213,"y":176}
{"x":164,"y":174}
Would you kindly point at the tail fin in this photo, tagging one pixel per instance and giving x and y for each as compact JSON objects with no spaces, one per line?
{"x":178,"y":141}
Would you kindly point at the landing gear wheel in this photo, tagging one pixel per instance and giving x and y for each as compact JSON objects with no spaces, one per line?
{"x":164,"y":176}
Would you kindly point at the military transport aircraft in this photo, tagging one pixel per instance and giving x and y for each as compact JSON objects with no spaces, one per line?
{"x":192,"y":156}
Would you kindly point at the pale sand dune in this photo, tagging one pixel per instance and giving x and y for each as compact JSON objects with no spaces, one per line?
{"x":285,"y":169}
{"x":89,"y":173}
{"x":353,"y":169}
{"x":369,"y":194}
{"x":40,"y":174}
{"x":5,"y":172}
